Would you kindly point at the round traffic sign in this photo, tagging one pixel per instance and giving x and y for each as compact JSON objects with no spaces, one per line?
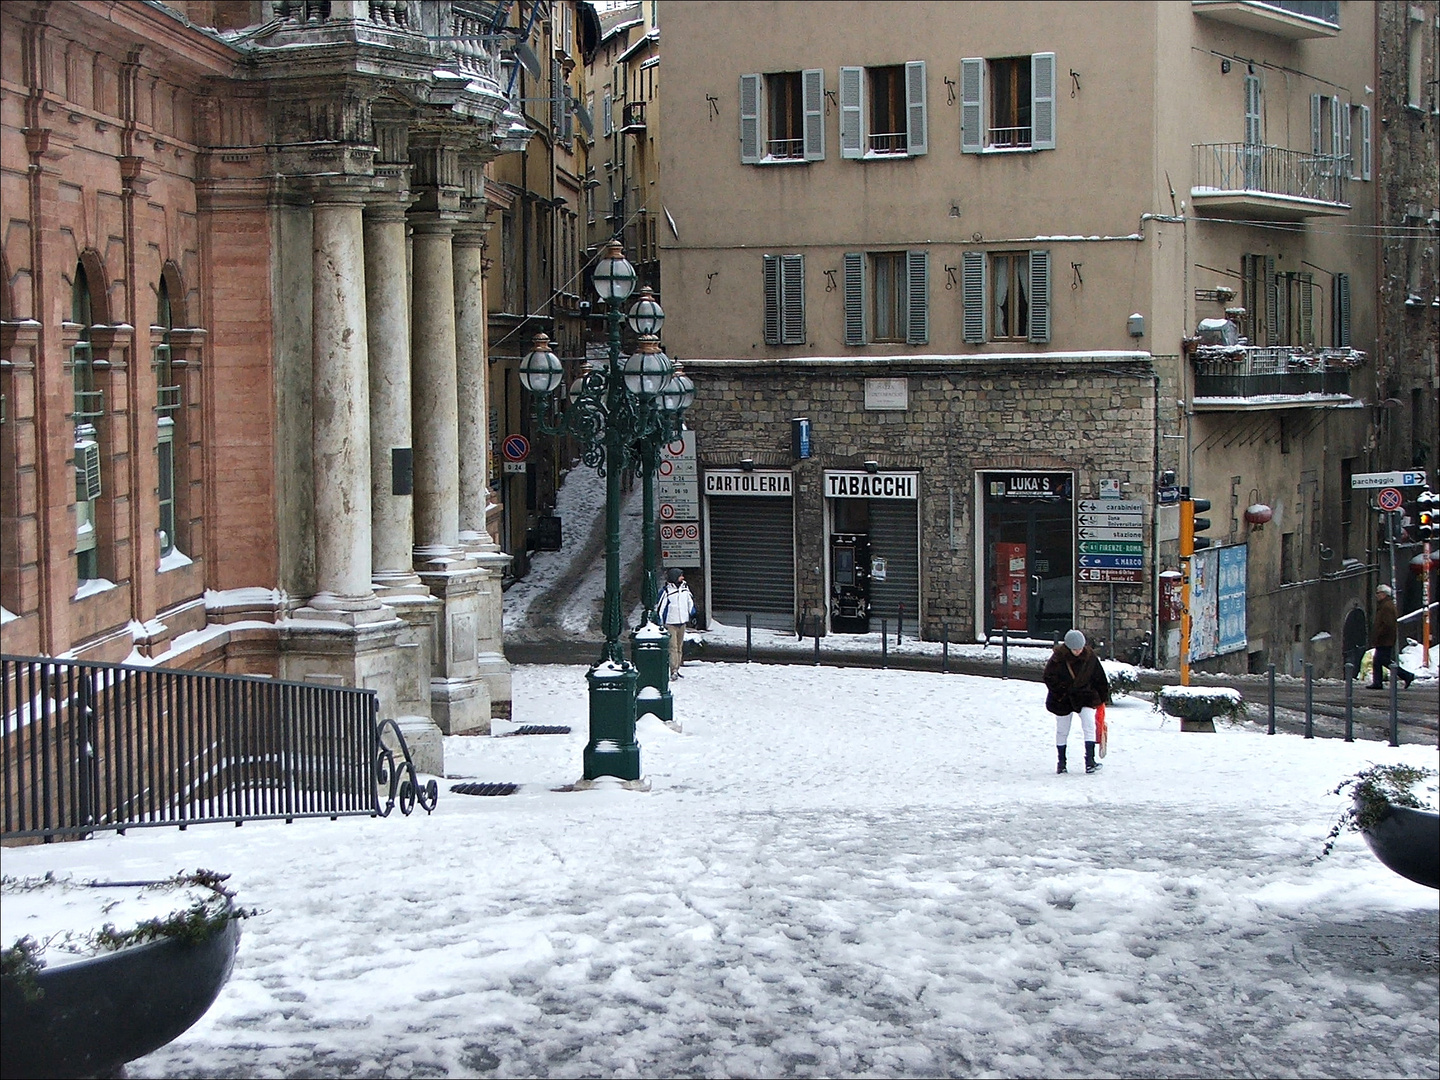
{"x":1389,"y":499}
{"x":667,"y":511}
{"x":515,"y":448}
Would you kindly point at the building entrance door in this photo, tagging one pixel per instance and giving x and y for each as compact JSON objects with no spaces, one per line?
{"x":1029,"y":577}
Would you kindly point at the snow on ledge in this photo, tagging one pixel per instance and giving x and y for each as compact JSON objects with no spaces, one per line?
{"x":91,"y":586}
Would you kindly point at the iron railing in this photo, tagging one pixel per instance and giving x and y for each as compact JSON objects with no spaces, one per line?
{"x":1259,"y":371}
{"x":89,"y":746}
{"x":1269,"y":170}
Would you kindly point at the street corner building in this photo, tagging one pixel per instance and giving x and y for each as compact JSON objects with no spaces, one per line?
{"x":242,"y":343}
{"x":971,"y":296}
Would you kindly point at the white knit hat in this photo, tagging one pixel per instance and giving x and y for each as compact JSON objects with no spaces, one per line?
{"x":1074,"y":640}
{"x":1384,"y":590}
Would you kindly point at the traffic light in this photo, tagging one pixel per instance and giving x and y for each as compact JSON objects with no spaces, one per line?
{"x":1190,"y":524}
{"x":1427,"y":514}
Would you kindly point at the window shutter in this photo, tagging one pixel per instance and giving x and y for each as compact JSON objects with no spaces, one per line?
{"x":1315,"y":124}
{"x":607,"y":116}
{"x":792,"y":299}
{"x":1340,"y":310}
{"x":917,"y":139}
{"x":1040,"y":296}
{"x":917,"y":295}
{"x":854,"y":298}
{"x":557,"y":92}
{"x":1306,"y":282}
{"x":852,"y":96}
{"x":1042,"y":101}
{"x":1272,"y":302}
{"x":1335,"y":137}
{"x":87,"y":470}
{"x":1347,"y":152}
{"x":749,"y":119}
{"x":972,"y":109}
{"x":972,"y":291}
{"x":1254,"y":135}
{"x":812,"y":82}
{"x":772,"y":300}
{"x":567,"y":117}
{"x":1364,"y":142}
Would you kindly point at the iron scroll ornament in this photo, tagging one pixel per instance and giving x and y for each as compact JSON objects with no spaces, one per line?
{"x":590,"y":412}
{"x":401,"y":778}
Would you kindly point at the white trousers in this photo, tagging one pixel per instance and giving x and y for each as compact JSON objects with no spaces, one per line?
{"x":1062,"y":726}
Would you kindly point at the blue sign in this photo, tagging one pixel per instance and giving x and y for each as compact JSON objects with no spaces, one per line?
{"x":800,"y":438}
{"x":1114,"y":562}
{"x":1230,"y":599}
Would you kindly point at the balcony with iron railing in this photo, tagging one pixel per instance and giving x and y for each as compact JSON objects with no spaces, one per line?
{"x":633,"y":118}
{"x":1250,"y":180}
{"x":1231,"y":377}
{"x":1294,"y":20}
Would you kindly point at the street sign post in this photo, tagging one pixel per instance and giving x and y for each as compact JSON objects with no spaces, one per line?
{"x":1413,"y":478}
{"x":1110,"y":546}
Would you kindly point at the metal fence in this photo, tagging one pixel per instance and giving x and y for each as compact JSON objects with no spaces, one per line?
{"x":1257,"y":371}
{"x":90,"y":746}
{"x":1273,"y":170}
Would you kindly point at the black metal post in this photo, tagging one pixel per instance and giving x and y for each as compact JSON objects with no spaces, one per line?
{"x":884,"y":638}
{"x":945,"y":647}
{"x":1394,"y":701}
{"x":1309,"y":701}
{"x":1270,"y":678}
{"x":1004,"y":652}
{"x":899,"y":621}
{"x":1349,"y":702}
{"x":748,"y":619}
{"x":816,"y":627}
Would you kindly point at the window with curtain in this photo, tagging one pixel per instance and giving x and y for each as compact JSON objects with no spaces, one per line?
{"x":1010,"y":295}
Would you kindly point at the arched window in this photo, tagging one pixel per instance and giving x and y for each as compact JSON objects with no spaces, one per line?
{"x":167,"y":406}
{"x":89,"y":408}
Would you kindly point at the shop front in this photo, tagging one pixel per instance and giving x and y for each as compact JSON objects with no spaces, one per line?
{"x":1027,"y":557}
{"x":750,"y":550}
{"x":872,"y":549}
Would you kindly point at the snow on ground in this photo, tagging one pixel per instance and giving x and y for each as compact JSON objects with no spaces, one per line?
{"x":835,"y":872}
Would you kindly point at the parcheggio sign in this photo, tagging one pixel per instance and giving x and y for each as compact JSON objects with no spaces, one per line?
{"x":865,"y":485}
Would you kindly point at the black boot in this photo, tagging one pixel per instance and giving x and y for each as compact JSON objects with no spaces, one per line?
{"x":1091,"y":765}
{"x":1060,"y":759}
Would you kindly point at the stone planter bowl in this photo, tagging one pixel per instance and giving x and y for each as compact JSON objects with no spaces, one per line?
{"x":97,"y":1014}
{"x":1408,"y":842}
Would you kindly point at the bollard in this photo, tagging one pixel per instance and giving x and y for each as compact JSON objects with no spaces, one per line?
{"x":816,"y":628}
{"x":899,"y":621}
{"x":944,"y":647}
{"x":748,"y":618}
{"x":884,"y":637}
{"x":1394,"y":703}
{"x":1270,"y":676}
{"x":1349,"y":702}
{"x":1004,"y":652}
{"x":1309,"y":701}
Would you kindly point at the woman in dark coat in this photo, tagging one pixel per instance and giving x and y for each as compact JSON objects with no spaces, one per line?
{"x":1076,"y":681}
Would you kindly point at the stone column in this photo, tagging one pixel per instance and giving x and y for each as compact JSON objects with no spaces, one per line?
{"x":435,"y":394}
{"x":341,"y":400}
{"x":474,"y":434}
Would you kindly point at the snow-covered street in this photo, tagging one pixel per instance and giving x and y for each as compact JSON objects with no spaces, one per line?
{"x":835,"y":873}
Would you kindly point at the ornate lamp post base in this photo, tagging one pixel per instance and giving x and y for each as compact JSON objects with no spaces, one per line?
{"x":650,"y":649}
{"x":612,"y":749}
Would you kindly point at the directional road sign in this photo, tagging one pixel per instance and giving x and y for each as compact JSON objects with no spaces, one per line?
{"x":1387,"y":479}
{"x":1111,"y":547}
{"x":1109,"y":521}
{"x":1112,"y":577}
{"x":1111,"y":506}
{"x":1113,"y":562}
{"x":1128,"y":533}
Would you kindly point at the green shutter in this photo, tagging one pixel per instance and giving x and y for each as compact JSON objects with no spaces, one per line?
{"x":772,"y":299}
{"x":1340,"y":311}
{"x":854,"y":298}
{"x":852,"y":100}
{"x":916,"y":124}
{"x":917,"y":295}
{"x":1040,"y":296}
{"x":972,"y":292}
{"x":972,"y":106}
{"x":792,"y":299}
{"x":812,"y":82}
{"x":749,"y":119}
{"x":1042,"y":101}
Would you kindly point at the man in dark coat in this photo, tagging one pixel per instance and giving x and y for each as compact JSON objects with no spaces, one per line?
{"x":1076,"y":681}
{"x":1383,"y":637}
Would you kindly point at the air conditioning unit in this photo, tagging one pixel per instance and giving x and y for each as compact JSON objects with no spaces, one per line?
{"x":87,"y":470}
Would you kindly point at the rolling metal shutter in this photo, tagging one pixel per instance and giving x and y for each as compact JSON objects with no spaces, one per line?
{"x":752,"y":561}
{"x":894,"y":537}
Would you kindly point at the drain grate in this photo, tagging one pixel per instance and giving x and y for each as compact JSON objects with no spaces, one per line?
{"x":543,"y":729}
{"x":484,"y":789}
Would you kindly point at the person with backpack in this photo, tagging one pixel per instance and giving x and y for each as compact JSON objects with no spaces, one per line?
{"x":1076,"y":682}
{"x":675,"y":610}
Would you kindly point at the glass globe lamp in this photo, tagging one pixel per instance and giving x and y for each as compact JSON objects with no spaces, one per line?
{"x":614,"y":277}
{"x":648,"y":369}
{"x":541,"y":371}
{"x":646,"y":315}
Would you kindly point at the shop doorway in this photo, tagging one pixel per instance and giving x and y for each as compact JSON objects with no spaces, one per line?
{"x":1029,"y":573}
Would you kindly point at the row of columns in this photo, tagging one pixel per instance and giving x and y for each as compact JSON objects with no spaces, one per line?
{"x":394,"y":340}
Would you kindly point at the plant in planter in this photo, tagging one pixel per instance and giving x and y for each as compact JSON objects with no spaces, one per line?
{"x":1198,"y":707}
{"x":1123,"y":678}
{"x":1387,"y":810}
{"x":105,"y":972}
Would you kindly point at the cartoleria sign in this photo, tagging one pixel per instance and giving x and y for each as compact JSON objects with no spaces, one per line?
{"x":740,"y":482}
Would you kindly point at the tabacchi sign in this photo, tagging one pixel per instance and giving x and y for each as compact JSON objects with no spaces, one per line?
{"x":864,"y":485}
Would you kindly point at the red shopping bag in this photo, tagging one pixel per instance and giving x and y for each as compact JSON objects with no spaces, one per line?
{"x":1102,"y":731}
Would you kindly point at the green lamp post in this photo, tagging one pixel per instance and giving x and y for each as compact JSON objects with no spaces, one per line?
{"x":612,"y":412}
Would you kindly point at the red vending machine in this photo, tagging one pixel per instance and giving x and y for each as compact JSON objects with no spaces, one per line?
{"x":1012,"y":610}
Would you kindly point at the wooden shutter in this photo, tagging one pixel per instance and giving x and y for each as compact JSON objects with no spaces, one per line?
{"x":557,"y":92}
{"x":1347,"y":152}
{"x":1364,"y":142}
{"x":1335,"y":133}
{"x":812,"y":82}
{"x":1306,"y":282}
{"x":792,"y":299}
{"x":749,"y":119}
{"x":917,"y":140}
{"x":854,"y":298}
{"x":972,"y":107}
{"x":852,"y":101}
{"x":1254,"y":133}
{"x":1042,"y":101}
{"x":1040,"y":296}
{"x":772,"y":299}
{"x":1272,"y":302}
{"x":1315,"y":124}
{"x":607,"y":117}
{"x":917,"y":297}
{"x":1340,"y":310}
{"x":972,"y":292}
